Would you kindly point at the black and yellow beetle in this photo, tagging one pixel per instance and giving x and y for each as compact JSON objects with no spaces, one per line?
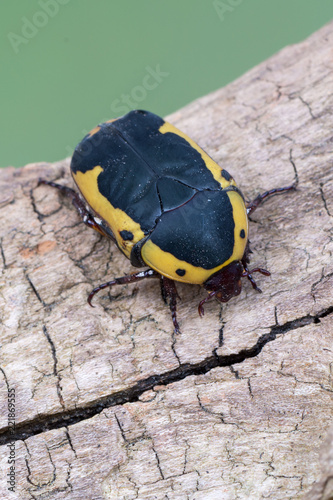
{"x":166,"y":204}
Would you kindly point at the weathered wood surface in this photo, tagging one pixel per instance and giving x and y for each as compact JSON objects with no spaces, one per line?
{"x":109,"y":403}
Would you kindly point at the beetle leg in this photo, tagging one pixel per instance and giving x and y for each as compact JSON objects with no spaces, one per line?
{"x":131,"y":278}
{"x":248,"y":274}
{"x":169,"y":291}
{"x":252,"y":205}
{"x":85,"y":215}
{"x":200,"y":306}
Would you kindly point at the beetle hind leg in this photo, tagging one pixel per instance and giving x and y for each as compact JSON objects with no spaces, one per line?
{"x":170,"y":296}
{"x":254,"y":204}
{"x":123,"y":280}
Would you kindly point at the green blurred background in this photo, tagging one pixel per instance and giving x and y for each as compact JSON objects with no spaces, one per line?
{"x":70,"y":64}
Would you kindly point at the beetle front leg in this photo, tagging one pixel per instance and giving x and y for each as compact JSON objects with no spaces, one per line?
{"x":85,"y":215}
{"x":254,"y":204}
{"x":247,"y":273}
{"x":203,"y":301}
{"x":170,"y":295}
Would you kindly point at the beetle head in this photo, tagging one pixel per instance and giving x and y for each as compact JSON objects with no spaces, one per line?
{"x":226,"y":283}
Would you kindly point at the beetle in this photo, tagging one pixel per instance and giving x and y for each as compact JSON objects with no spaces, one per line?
{"x":166,"y":204}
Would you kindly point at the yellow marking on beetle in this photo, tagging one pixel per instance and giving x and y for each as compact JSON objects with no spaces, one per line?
{"x":210,"y":164}
{"x":116,"y":219}
{"x":165,"y":263}
{"x":112,"y":120}
{"x":241,"y":222}
{"x":94,"y":131}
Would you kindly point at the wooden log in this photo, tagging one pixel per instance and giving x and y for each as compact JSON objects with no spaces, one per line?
{"x":109,"y":403}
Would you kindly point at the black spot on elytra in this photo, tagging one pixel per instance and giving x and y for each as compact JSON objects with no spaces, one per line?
{"x":226,"y":175}
{"x":242,"y":233}
{"x":126,"y":235}
{"x":180,"y":272}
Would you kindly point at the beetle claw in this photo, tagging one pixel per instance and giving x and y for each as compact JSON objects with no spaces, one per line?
{"x":201,"y":310}
{"x":90,"y":297}
{"x":176,"y":327}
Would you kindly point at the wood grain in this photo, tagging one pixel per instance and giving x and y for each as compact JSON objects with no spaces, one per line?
{"x":110,"y":404}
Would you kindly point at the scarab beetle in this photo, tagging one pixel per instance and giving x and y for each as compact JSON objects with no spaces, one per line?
{"x":166,"y":204}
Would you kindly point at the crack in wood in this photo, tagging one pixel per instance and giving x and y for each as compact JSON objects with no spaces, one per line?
{"x":324,"y":200}
{"x":34,"y":289}
{"x":132,"y":394}
{"x":5,"y":377}
{"x":55,"y":365}
{"x":2,"y":253}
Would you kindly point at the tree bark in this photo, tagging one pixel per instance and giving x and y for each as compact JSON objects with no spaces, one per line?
{"x":109,"y":403}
